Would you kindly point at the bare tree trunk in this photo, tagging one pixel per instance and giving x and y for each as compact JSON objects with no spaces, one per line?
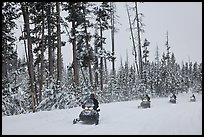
{"x":88,"y":47}
{"x":24,"y":9}
{"x":105,"y":71}
{"x":75,"y":61}
{"x":112,"y":37}
{"x":139,"y":42}
{"x":133,"y":41}
{"x":96,"y":69}
{"x":42,"y":59}
{"x":59,"y":60}
{"x":50,"y":46}
{"x":101,"y":60}
{"x":96,"y":60}
{"x":167,"y":47}
{"x":90,"y":72}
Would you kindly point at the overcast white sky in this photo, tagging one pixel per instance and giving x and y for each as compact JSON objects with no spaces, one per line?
{"x":182,"y":20}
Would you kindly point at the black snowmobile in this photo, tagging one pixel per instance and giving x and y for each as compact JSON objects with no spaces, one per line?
{"x":145,"y":103}
{"x":172,"y":100}
{"x":88,"y":114}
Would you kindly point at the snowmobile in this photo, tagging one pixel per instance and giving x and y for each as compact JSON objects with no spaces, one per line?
{"x":144,"y":104}
{"x":172,"y":100}
{"x":192,"y":99}
{"x":88,"y":114}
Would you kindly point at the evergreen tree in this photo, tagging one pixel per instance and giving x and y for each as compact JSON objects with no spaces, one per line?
{"x":9,"y":55}
{"x":102,"y":14}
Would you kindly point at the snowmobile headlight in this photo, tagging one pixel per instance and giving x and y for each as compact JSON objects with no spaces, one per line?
{"x":88,"y":108}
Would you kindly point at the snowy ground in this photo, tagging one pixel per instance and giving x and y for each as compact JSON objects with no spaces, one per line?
{"x":121,"y":118}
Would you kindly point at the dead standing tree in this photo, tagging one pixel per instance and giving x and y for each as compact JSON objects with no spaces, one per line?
{"x":133,"y":39}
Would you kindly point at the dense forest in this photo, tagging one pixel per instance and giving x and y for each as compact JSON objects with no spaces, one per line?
{"x":40,"y":81}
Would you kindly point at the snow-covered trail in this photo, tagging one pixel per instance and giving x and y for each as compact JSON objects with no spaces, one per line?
{"x":162,"y":118}
{"x":120,"y":118}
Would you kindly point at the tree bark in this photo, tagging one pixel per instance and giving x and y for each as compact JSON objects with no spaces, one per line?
{"x":75,"y":61}
{"x":133,"y":41}
{"x":96,"y":62}
{"x":50,"y":46}
{"x":101,"y":60}
{"x":42,"y":58}
{"x":139,"y":42}
{"x":87,"y":46}
{"x":59,"y":60}
{"x":24,"y":9}
{"x":112,"y":37}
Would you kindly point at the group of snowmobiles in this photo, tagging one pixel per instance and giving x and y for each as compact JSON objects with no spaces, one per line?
{"x":91,"y":115}
{"x":173,"y":98}
{"x":146,"y":101}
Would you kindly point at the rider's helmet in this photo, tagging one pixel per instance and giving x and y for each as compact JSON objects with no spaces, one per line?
{"x":92,"y":95}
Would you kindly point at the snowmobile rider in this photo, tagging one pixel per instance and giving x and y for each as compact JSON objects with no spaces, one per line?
{"x":96,"y":103}
{"x":193,"y":96}
{"x":174,"y":96}
{"x":147,"y":97}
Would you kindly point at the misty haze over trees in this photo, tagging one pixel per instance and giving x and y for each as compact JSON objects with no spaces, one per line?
{"x":40,"y":81}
